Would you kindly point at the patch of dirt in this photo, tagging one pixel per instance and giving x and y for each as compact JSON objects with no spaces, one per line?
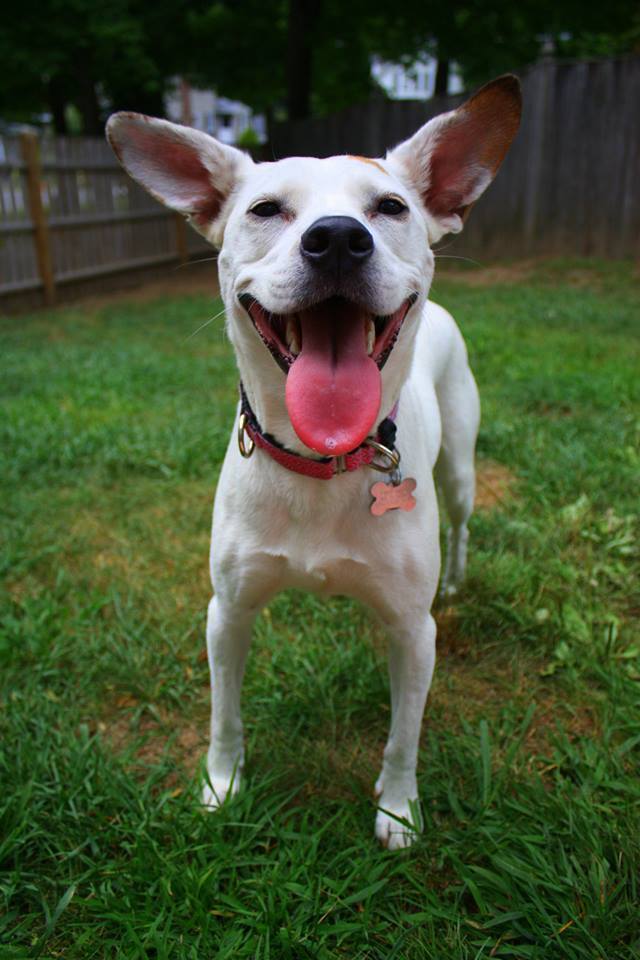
{"x":337,"y":768}
{"x":449,"y":640}
{"x":333,"y":770}
{"x":481,"y":276}
{"x":153,"y":542}
{"x":186,"y":742}
{"x":494,"y":484}
{"x":338,"y":771}
{"x":464,"y":692}
{"x":466,"y":689}
{"x":554,"y":411}
{"x":549,"y":272}
{"x":578,"y":721}
{"x":196,"y":277}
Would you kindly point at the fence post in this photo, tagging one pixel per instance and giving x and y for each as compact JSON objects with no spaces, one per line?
{"x":181,"y":239}
{"x":31,"y":157}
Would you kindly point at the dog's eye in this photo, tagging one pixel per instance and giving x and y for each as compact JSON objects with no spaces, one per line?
{"x":266,"y":208}
{"x":391,"y":206}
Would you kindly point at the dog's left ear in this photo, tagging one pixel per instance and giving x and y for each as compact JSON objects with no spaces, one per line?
{"x":183,"y":168}
{"x":454,"y":157}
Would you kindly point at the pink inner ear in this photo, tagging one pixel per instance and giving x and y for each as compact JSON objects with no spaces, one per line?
{"x":470,"y":147}
{"x":456,"y":169}
{"x":170,"y":169}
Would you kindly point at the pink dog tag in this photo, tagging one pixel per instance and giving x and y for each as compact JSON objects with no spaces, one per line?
{"x":386,"y":496}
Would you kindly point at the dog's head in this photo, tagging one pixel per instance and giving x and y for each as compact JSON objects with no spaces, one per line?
{"x":324,"y":264}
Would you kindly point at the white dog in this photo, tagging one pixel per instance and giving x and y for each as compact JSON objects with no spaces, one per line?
{"x":325,"y":267}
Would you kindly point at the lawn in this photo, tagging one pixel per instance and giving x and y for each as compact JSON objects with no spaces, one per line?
{"x":115,"y":421}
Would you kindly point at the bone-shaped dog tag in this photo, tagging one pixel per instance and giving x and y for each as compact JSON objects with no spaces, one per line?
{"x":389,"y":496}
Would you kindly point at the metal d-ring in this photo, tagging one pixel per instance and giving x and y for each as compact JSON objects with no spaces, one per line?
{"x":245,"y":451}
{"x":393,"y":456}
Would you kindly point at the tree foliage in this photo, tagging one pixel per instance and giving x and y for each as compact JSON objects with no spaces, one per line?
{"x":95,"y":56}
{"x":279,"y":56}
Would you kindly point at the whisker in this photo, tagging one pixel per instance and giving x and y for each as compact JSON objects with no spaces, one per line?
{"x":445,"y":246}
{"x":451,"y":256}
{"x":191,"y":263}
{"x":205,"y":324}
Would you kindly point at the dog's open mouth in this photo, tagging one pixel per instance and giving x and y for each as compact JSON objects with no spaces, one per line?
{"x":332,"y":353}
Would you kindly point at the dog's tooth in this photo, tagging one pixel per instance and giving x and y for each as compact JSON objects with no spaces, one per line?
{"x":371,"y":336}
{"x":293,"y":336}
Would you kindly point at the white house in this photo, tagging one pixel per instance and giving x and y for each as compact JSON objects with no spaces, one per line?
{"x":229,"y":119}
{"x":225,"y":119}
{"x":416,"y":82}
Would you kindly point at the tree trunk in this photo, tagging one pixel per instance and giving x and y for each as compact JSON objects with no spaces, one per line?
{"x":87,"y":103}
{"x":56,"y":95}
{"x":86,"y":97}
{"x":302,"y":14}
{"x":442,"y":78}
{"x":270,"y":119}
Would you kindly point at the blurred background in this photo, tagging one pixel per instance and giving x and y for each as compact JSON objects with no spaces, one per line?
{"x":295,"y":77}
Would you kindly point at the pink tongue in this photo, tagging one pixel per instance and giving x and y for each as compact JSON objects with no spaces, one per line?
{"x":333,"y":387}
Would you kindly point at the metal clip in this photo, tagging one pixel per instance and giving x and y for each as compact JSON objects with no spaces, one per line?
{"x":245,"y":451}
{"x":396,"y":477}
{"x":393,"y":456}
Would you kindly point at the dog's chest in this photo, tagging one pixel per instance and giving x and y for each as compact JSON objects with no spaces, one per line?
{"x":275,"y":531}
{"x":343,"y":551}
{"x":319,"y":549}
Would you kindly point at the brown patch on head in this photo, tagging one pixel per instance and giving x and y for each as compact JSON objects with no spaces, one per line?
{"x":373,"y":163}
{"x":494,"y":483}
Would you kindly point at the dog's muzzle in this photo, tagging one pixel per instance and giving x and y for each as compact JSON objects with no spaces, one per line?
{"x":332,"y":353}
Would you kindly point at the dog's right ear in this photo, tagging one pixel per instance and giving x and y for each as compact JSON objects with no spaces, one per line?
{"x":454,"y":157}
{"x":183,"y":168}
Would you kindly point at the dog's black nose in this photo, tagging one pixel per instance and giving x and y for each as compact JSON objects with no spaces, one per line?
{"x":336,"y":243}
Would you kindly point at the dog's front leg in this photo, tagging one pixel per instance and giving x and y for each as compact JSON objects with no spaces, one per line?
{"x":411,"y":662}
{"x":228,"y":640}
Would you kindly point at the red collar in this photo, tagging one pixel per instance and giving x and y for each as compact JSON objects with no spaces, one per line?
{"x":323,"y":468}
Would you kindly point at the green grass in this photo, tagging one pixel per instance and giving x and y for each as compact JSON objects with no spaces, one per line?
{"x":114,"y":427}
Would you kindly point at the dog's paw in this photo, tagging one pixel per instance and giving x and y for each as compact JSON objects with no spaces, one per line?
{"x":398,"y":828}
{"x":216,"y":790}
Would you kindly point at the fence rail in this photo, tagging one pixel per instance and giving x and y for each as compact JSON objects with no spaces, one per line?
{"x":570,"y":184}
{"x":68,"y":212}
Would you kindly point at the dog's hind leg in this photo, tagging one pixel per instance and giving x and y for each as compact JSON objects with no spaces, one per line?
{"x":455,"y":472}
{"x":228,"y":640}
{"x":412,"y":651}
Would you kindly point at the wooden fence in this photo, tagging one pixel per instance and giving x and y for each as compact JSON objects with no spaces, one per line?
{"x":570,"y":184}
{"x":68,"y":213}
